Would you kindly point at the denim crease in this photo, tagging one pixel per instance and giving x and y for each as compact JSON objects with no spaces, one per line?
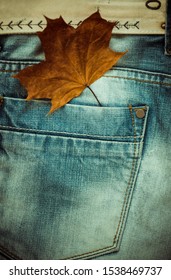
{"x":88,"y":182}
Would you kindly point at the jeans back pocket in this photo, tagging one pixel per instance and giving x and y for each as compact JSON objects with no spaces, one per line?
{"x":67,"y":179}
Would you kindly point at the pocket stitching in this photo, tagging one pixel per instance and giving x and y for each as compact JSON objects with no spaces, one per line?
{"x":130,"y":182}
{"x":125,"y":203}
{"x":18,"y":129}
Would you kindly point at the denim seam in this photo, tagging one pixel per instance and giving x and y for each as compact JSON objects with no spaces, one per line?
{"x":138,"y":71}
{"x":8,"y":253}
{"x":144,"y":72}
{"x":9,"y":71}
{"x":139,"y":80}
{"x":126,"y":70}
{"x":56,"y":133}
{"x":130,"y":182}
{"x":21,"y":99}
{"x":114,"y":77}
{"x":19,"y":62}
{"x":125,"y":202}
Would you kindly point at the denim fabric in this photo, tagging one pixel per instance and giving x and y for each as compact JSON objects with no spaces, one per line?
{"x":87,"y":181}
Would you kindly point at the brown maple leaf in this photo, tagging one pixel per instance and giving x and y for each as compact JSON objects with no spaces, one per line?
{"x":74,"y":59}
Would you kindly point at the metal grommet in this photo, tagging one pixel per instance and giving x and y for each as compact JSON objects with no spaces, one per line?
{"x":163,"y":25}
{"x":140,"y":113}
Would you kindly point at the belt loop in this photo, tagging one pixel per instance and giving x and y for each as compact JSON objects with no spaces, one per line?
{"x":168,"y":29}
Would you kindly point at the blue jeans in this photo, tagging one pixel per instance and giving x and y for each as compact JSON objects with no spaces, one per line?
{"x":88,"y":182}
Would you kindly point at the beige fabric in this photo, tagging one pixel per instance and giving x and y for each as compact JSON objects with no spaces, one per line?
{"x":133,"y":17}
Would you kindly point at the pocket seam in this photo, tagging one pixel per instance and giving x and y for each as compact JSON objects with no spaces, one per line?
{"x":18,"y":129}
{"x":132,"y":176}
{"x":126,"y":204}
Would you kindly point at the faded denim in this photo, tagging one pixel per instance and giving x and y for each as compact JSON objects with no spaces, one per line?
{"x":87,"y":182}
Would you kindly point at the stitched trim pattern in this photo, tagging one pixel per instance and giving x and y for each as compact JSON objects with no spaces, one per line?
{"x":127,"y":25}
{"x":23,"y":24}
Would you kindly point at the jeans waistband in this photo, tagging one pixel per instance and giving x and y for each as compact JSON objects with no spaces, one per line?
{"x":27,"y":49}
{"x":131,"y":16}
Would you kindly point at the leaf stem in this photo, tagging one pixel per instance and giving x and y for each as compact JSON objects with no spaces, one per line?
{"x":94,"y":94}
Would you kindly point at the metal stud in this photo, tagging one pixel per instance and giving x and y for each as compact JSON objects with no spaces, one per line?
{"x":140,"y":113}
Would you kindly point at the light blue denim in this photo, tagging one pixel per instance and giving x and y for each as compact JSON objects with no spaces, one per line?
{"x":88,"y":182}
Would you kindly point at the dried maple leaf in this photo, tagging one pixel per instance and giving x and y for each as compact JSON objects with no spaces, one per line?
{"x":74,"y":59}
